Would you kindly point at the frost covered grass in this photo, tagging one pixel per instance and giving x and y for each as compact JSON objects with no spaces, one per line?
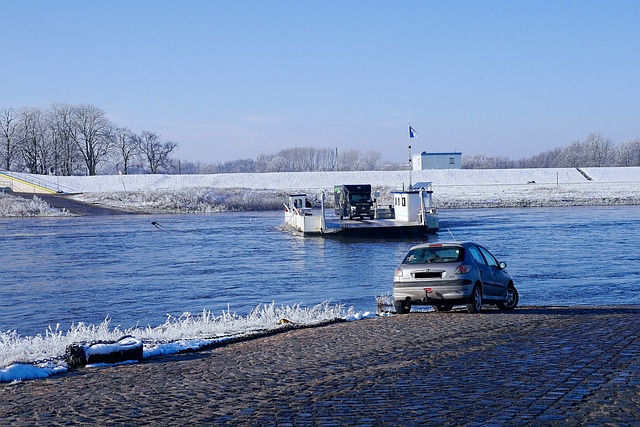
{"x":445,"y":197}
{"x":536,"y":195}
{"x":197,"y":200}
{"x":43,"y":355}
{"x":13,"y":206}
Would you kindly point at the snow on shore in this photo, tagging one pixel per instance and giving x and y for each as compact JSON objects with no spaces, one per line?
{"x":453,"y":189}
{"x":315,"y":180}
{"x":11,"y":206}
{"x":25,"y":358}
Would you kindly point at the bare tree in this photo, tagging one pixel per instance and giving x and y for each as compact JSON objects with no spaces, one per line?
{"x":236,"y":166}
{"x":547,"y":159}
{"x":92,"y":133}
{"x":303,"y":159}
{"x":277,"y":164}
{"x":598,"y":151}
{"x":292,"y":159}
{"x":128,"y":147}
{"x":573,"y":155}
{"x":262,"y":162}
{"x":9,"y":135}
{"x":629,"y":153}
{"x":349,"y":160}
{"x":191,"y":168}
{"x":32,"y":140}
{"x":326,"y":159}
{"x":155,"y":151}
{"x":371,"y":160}
{"x":67,"y":159}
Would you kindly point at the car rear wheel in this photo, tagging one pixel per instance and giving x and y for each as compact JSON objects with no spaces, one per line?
{"x":510,"y":300}
{"x":474,"y":305}
{"x":402,"y":306}
{"x":442,"y":307}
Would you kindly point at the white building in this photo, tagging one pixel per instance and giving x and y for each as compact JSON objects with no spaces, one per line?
{"x":426,"y":160}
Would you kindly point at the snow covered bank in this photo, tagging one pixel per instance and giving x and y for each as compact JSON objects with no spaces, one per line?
{"x":23,"y":358}
{"x":453,"y":189}
{"x":13,"y":206}
{"x":291,"y":181}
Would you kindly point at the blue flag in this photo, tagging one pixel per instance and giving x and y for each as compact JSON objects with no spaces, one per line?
{"x":412,"y":132}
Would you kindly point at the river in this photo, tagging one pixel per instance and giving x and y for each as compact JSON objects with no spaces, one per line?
{"x":59,"y":271}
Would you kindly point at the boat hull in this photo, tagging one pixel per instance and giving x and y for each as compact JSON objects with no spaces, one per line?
{"x":381,"y":232}
{"x":312,"y":225}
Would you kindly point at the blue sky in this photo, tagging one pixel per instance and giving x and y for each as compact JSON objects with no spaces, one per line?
{"x":233,"y":79}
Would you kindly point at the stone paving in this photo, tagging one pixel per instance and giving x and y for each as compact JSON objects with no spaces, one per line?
{"x":535,"y":366}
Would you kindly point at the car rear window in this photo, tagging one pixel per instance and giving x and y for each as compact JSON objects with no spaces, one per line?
{"x":432,"y":255}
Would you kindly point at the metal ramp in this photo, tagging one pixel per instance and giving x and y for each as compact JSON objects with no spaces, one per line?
{"x":25,"y":183}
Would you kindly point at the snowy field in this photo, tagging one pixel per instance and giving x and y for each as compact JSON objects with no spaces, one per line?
{"x":453,"y":189}
{"x":291,"y":181}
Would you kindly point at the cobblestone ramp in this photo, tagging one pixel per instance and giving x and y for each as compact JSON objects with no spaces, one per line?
{"x":533,"y":366}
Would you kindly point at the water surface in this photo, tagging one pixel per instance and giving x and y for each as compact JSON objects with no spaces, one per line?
{"x":84,"y":269}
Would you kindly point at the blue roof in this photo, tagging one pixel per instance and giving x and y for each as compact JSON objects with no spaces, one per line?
{"x":422,"y":184}
{"x":441,"y":154}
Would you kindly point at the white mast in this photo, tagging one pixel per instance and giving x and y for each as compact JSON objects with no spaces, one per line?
{"x":412,"y":133}
{"x":410,"y":162}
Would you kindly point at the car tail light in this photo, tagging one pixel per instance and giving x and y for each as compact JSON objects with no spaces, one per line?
{"x":399,"y":272}
{"x":463,"y":269}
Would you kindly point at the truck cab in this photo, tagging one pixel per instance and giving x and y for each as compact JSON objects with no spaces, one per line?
{"x":353,"y":201}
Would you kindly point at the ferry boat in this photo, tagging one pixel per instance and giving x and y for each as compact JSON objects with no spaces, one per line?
{"x":411,"y":215}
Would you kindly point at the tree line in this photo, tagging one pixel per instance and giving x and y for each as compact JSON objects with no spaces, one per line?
{"x":80,"y":140}
{"x":296,"y":159}
{"x":594,"y":151}
{"x":77,"y":140}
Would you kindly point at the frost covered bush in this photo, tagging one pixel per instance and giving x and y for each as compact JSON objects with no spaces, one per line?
{"x":188,"y":330}
{"x":51,"y":346}
{"x":194,"y":200}
{"x":207,"y":200}
{"x":13,"y":206}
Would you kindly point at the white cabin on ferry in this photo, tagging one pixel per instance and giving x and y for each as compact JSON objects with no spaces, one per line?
{"x":415,"y":205}
{"x":298,"y":214}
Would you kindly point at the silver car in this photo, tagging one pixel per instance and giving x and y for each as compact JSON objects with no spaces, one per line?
{"x":446,"y":274}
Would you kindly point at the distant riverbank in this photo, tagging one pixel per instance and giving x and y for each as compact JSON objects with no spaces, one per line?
{"x":453,"y":189}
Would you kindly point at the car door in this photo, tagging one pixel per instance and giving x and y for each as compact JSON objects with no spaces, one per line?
{"x":498,"y":285}
{"x":486,"y":275}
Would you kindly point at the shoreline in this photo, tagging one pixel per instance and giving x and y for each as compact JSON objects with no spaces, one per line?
{"x":552,"y":365}
{"x":449,"y":198}
{"x":453,"y":189}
